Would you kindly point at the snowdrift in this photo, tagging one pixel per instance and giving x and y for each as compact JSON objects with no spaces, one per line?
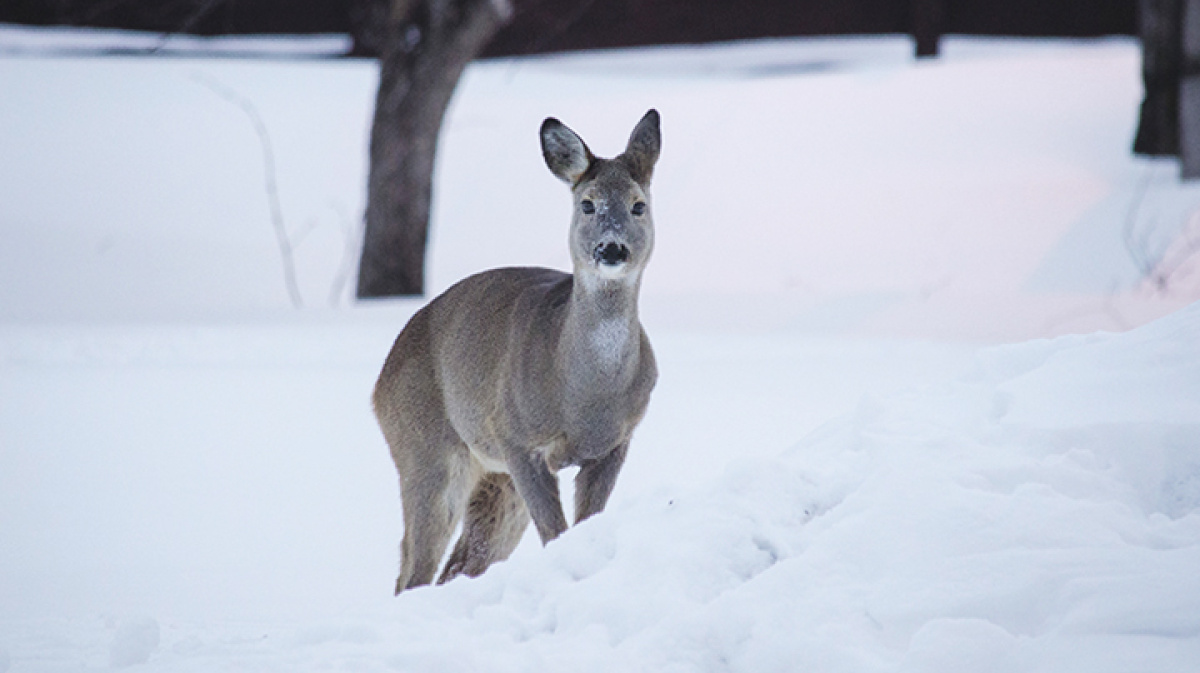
{"x":1039,"y":514}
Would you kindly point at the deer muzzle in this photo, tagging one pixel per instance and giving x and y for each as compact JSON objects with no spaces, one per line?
{"x":611,"y":253}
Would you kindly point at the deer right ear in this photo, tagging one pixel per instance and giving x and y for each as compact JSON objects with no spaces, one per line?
{"x":642,"y":151}
{"x":565,"y":152}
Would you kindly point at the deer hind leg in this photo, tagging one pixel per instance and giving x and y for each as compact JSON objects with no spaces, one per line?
{"x":433,"y":493}
{"x":496,"y":518}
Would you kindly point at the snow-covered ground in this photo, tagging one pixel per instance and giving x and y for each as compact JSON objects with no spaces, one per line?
{"x":854,"y":460}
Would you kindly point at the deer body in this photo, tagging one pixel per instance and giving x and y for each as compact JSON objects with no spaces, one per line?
{"x":513,"y":374}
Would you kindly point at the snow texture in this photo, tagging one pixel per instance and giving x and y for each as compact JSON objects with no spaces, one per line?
{"x":191,"y":479}
{"x":999,"y":523}
{"x":134,"y":642}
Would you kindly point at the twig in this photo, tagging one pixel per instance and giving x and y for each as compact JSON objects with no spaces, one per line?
{"x":1159,"y":270}
{"x":1137,"y":252}
{"x":1168,"y":269}
{"x":264,"y":138}
{"x":352,"y":237}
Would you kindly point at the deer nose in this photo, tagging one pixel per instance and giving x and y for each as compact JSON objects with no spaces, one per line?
{"x":611,"y":254}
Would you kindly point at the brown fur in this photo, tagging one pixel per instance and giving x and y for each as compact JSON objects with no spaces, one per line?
{"x":513,"y":374}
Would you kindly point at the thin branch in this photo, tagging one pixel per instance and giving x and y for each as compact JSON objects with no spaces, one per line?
{"x":352,"y":241}
{"x":1161,"y":269}
{"x":1137,"y":251}
{"x":1180,"y":258}
{"x":264,"y":138}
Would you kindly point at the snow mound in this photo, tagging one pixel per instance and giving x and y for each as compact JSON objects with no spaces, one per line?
{"x":133,"y":643}
{"x":1038,"y":514}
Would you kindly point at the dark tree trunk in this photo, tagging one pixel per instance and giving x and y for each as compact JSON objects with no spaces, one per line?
{"x":1159,"y":23}
{"x":1189,"y":92}
{"x":928,"y":19}
{"x":427,"y":45}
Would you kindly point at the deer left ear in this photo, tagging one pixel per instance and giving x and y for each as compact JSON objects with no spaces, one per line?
{"x":567,"y":156}
{"x":641,"y":153}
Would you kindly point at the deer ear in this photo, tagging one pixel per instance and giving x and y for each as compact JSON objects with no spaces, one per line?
{"x":642,"y":151}
{"x":565,"y":152}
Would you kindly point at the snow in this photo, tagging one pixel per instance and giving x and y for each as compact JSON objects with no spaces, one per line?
{"x":929,"y":390}
{"x":134,"y":642}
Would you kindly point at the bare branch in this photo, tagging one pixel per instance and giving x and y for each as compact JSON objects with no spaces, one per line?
{"x":1137,"y":250}
{"x":1180,"y":259}
{"x":268,"y":153}
{"x":352,"y":235}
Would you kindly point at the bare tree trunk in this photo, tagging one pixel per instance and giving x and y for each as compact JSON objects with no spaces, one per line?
{"x":1189,"y":92}
{"x":428,"y":44}
{"x":1159,"y":29}
{"x":928,"y":19}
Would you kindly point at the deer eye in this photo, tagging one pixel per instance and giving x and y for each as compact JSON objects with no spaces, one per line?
{"x":639,"y":208}
{"x":587,"y":206}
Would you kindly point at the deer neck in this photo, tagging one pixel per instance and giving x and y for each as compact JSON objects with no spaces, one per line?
{"x":601,"y":339}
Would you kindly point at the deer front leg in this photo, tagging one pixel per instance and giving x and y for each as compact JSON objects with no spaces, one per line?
{"x":538,"y":487}
{"x":595,"y":482}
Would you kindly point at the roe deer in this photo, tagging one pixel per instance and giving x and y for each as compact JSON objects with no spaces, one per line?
{"x":513,"y":374}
